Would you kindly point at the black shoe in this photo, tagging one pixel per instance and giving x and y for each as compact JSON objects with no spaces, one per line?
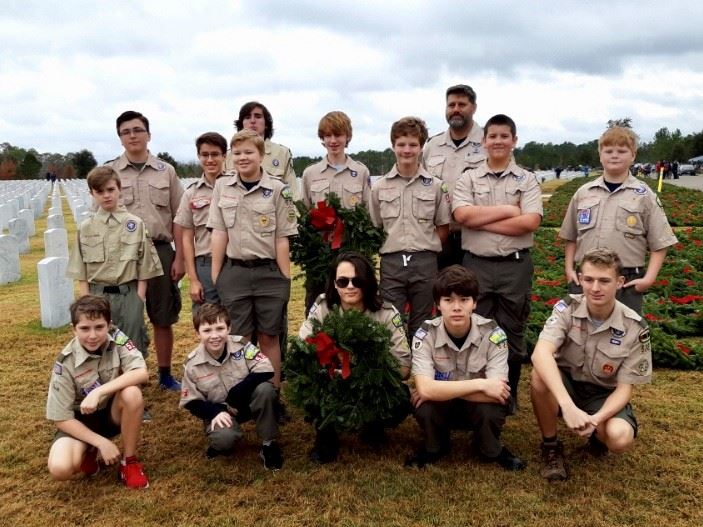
{"x":507,"y":460}
{"x":212,"y":453}
{"x":373,"y":436}
{"x":282,"y":416}
{"x":326,"y":447}
{"x":423,"y":457}
{"x":596,"y":447}
{"x":272,"y":456}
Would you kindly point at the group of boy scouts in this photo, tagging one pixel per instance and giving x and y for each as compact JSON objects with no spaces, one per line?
{"x":459,"y":215}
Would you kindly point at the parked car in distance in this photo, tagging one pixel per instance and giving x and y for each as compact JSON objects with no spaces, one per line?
{"x":685,"y":168}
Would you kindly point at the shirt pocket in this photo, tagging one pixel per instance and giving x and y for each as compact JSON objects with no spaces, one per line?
{"x":352,"y":195}
{"x":573,"y":350}
{"x":435,"y":165}
{"x":228,"y":208}
{"x":423,"y":206}
{"x":264,"y":217}
{"x":587,"y":214}
{"x":607,"y":360}
{"x":513,"y":192}
{"x":319,"y":191}
{"x":389,"y":202}
{"x":127,"y":193}
{"x":200,"y":216}
{"x":628,"y":218}
{"x":476,"y":367}
{"x":159,"y":193}
{"x":482,"y":193}
{"x":129,"y":247}
{"x":92,"y":249}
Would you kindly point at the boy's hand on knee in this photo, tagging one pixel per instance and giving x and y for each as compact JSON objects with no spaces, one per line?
{"x":109,"y":451}
{"x":90,"y":403}
{"x":221,"y":420}
{"x":578,"y":420}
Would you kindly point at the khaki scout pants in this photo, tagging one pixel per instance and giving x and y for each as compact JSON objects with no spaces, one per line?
{"x":261,"y":410}
{"x":127,"y":311}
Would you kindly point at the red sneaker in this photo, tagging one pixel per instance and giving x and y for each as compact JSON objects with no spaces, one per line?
{"x":89,"y":465}
{"x":132,"y":475}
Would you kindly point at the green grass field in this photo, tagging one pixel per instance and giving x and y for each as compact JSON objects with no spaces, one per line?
{"x":657,"y":483}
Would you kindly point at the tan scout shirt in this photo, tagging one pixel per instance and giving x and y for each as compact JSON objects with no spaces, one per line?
{"x":277,"y":161}
{"x":205,"y":379}
{"x":446,"y":161}
{"x":629,"y":220}
{"x":616,"y":352}
{"x":409,"y":210}
{"x":387,"y":316}
{"x":193,"y":214}
{"x":152,"y":194}
{"x":515,"y":186}
{"x":113,"y":249}
{"x":351,"y":183}
{"x":252,"y":218}
{"x":484,"y":354}
{"x":77,"y":372}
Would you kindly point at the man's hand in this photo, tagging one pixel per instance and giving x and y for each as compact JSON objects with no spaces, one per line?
{"x":221,"y":420}
{"x":641,"y":285}
{"x":496,"y":388}
{"x":578,"y":420}
{"x":109,"y":451}
{"x":178,"y":269}
{"x":416,"y":399}
{"x":90,"y":403}
{"x":572,"y":276}
{"x":196,"y":292}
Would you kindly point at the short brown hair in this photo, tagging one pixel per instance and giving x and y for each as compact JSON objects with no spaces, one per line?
{"x":619,"y":136}
{"x":413,"y":126}
{"x":101,"y":176}
{"x":91,"y":306}
{"x":209,"y":313}
{"x":462,"y":89}
{"x":603,"y":258}
{"x":249,"y":135}
{"x":335,"y":123}
{"x":455,"y":279}
{"x":211,"y":138}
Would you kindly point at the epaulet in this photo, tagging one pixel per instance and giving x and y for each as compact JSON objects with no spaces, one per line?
{"x":239,"y":339}
{"x":63,"y":354}
{"x":436,"y":135}
{"x":385,"y":305}
{"x":320,"y":298}
{"x":643,"y":323}
{"x":191,"y":355}
{"x":110,"y":161}
{"x":192,"y":184}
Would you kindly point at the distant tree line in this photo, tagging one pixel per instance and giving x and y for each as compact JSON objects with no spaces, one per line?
{"x":18,"y":163}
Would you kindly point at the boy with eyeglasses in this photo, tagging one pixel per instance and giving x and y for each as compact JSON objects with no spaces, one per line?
{"x":193,"y":214}
{"x":151,"y":190}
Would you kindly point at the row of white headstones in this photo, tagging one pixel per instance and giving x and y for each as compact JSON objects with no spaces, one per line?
{"x":23,"y":202}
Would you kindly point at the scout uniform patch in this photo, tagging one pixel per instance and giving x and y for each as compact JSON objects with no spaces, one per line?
{"x":584,"y":216}
{"x":131,"y":225}
{"x":264,"y":221}
{"x":643,"y":366}
{"x":286,"y":193}
{"x":425,"y":181}
{"x":267,"y":192}
{"x":250,"y":351}
{"x":442,"y":375}
{"x":631,"y":221}
{"x":398,"y":320}
{"x":497,"y":336}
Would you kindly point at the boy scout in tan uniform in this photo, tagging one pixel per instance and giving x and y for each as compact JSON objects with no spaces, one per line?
{"x":500,"y":206}
{"x":278,"y":160}
{"x":193,"y":214}
{"x":448,"y":154}
{"x":114,"y":257}
{"x":619,"y":212}
{"x":151,"y":190}
{"x":229,"y":379}
{"x":591,"y":352}
{"x":413,"y":209}
{"x":460,"y":370}
{"x":94,"y":395}
{"x":336,"y":172}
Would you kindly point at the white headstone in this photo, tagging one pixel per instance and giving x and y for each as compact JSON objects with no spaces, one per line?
{"x":12,"y":204}
{"x":9,"y":260}
{"x":18,"y":228}
{"x":28,"y":216}
{"x":35,"y":205}
{"x":5,"y":215}
{"x":55,"y":211}
{"x":55,"y":221}
{"x":55,"y":243}
{"x":55,"y":292}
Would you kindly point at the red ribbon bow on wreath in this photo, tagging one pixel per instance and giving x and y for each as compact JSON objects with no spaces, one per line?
{"x":324,"y":218}
{"x":329,"y":355}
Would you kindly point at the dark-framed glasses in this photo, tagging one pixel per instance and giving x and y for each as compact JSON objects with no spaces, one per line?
{"x":344,"y":281}
{"x":131,"y":131}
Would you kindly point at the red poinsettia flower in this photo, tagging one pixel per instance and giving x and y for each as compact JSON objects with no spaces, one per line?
{"x":542,"y":281}
{"x":651,"y":317}
{"x":552,"y":301}
{"x":329,"y":355}
{"x":683,"y":349}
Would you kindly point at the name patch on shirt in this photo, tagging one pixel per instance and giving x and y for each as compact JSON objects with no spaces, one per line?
{"x":584,"y":216}
{"x":87,"y":389}
{"x":617,"y":342}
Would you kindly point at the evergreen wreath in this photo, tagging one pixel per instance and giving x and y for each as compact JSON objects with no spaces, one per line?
{"x":327,"y":229}
{"x":344,"y":375}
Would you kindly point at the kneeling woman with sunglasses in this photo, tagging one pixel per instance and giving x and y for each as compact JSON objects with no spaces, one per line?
{"x":354,"y":286}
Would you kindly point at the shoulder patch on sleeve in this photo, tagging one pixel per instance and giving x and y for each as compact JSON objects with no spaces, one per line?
{"x":286,"y":193}
{"x":562,"y":304}
{"x":498,"y":336}
{"x":421,"y":332}
{"x":644,"y":335}
{"x":58,"y":368}
{"x":250,"y":351}
{"x":120,"y":337}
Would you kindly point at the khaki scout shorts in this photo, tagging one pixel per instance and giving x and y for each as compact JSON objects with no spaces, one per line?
{"x":163,"y":298}
{"x":99,"y":422}
{"x":590,"y":398}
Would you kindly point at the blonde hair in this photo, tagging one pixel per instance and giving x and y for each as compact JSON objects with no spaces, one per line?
{"x":248,"y":135}
{"x":619,"y":136}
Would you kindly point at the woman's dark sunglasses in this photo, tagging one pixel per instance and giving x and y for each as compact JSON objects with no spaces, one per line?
{"x":343,"y":282}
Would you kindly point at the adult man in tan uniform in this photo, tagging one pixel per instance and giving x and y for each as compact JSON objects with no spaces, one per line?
{"x":448,"y":154}
{"x":152,"y":191}
{"x":193,"y":214}
{"x":499,"y":206}
{"x":591,"y":352}
{"x":278,"y":160}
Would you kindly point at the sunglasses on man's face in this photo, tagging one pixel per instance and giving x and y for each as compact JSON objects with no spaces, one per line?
{"x":343,"y":282}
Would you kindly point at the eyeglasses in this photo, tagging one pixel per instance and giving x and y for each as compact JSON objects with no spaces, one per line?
{"x":210,"y":155}
{"x":343,"y":281}
{"x":131,"y":131}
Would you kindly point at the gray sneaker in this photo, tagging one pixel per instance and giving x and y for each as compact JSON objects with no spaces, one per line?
{"x":553,"y":466}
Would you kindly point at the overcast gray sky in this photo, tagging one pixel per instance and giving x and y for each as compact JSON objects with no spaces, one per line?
{"x":560,"y":69}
